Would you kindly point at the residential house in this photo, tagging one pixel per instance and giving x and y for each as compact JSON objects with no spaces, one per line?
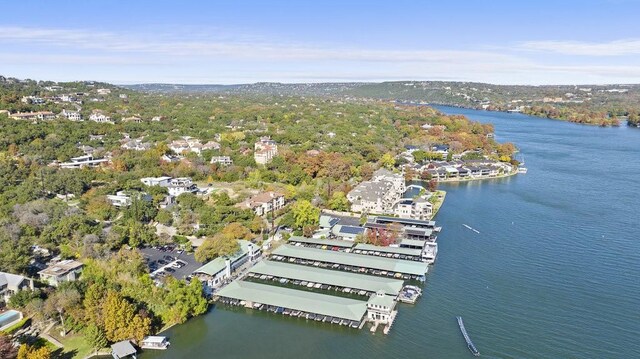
{"x":135,"y":145}
{"x":263,"y":203}
{"x":71,"y":115}
{"x":264,"y":150}
{"x":103,"y":91}
{"x":417,"y":208}
{"x":64,"y":271}
{"x":178,"y":186}
{"x":133,"y":119}
{"x":83,"y":161}
{"x":11,"y":283}
{"x":222,"y":160}
{"x":156,"y":181}
{"x":34,"y":116}
{"x":120,"y":199}
{"x":99,"y":117}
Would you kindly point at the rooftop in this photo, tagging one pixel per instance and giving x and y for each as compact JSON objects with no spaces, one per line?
{"x":330,"y":277}
{"x":61,"y":268}
{"x":327,"y":242}
{"x":405,"y":251}
{"x":323,"y":304}
{"x":350,"y":259}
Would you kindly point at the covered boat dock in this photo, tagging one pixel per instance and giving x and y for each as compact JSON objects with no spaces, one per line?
{"x":386,"y":267}
{"x":326,"y":279}
{"x":294,"y":302}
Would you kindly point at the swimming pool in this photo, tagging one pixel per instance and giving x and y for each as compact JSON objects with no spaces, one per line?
{"x":9,"y":317}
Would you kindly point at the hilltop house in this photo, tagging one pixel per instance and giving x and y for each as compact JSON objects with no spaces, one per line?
{"x":99,"y":117}
{"x":71,"y":115}
{"x":12,"y":283}
{"x":263,"y":203}
{"x":34,"y":116}
{"x":178,"y":186}
{"x":64,"y":271}
{"x":264,"y":150}
{"x":222,"y":160}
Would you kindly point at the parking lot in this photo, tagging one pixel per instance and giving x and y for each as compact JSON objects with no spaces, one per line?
{"x":158,"y":259}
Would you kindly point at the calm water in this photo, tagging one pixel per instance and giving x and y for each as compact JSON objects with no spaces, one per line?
{"x":554,"y":272}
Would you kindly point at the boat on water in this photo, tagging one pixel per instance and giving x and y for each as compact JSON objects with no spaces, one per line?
{"x":522,"y":170}
{"x":472,"y":348}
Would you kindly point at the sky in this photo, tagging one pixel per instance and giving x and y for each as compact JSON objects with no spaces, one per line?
{"x":241,"y":41}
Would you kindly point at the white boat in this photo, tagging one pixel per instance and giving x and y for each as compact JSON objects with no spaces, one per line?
{"x":522,"y":170}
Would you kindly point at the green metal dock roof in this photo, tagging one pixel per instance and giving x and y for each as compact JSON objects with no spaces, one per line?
{"x":350,"y":259}
{"x":331,"y":277}
{"x":323,"y":304}
{"x":323,"y":242}
{"x":398,"y":250}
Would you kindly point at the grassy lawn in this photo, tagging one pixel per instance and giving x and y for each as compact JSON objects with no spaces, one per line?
{"x":75,"y":346}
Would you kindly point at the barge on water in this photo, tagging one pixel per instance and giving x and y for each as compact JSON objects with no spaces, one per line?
{"x":470,"y":345}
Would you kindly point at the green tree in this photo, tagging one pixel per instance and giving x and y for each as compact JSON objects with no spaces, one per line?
{"x":339,"y":202}
{"x":95,"y":337}
{"x":388,"y":160}
{"x":305,"y":214}
{"x":121,"y":321}
{"x":216,"y":246}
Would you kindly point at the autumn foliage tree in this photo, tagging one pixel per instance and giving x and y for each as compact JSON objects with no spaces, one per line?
{"x":121,"y":321}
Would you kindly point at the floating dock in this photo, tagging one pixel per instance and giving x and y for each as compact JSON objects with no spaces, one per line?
{"x":470,"y":345}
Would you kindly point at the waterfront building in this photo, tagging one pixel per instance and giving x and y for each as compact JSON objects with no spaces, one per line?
{"x":379,"y":195}
{"x":216,"y":272}
{"x":381,"y":307}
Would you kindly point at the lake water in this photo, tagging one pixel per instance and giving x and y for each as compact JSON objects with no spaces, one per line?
{"x":553,"y":273}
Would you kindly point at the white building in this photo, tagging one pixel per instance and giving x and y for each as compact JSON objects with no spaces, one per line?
{"x":65,"y":271}
{"x":120,"y":199}
{"x":99,"y":117}
{"x":222,"y":160}
{"x":156,"y":181}
{"x":378,"y":196}
{"x":418,"y":208}
{"x":178,"y":186}
{"x":381,"y":308}
{"x":71,"y":115}
{"x":83,"y":161}
{"x":264,"y":150}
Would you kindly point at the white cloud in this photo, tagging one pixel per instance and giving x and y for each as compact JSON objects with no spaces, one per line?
{"x":216,"y":57}
{"x":611,"y":48}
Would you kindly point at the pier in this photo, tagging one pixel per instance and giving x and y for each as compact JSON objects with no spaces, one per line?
{"x":470,"y":345}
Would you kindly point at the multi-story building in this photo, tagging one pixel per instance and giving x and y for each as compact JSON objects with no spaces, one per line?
{"x":264,"y":150}
{"x":222,"y":160}
{"x":263,"y":203}
{"x":378,"y":196}
{"x":178,"y":186}
{"x":71,"y":115}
